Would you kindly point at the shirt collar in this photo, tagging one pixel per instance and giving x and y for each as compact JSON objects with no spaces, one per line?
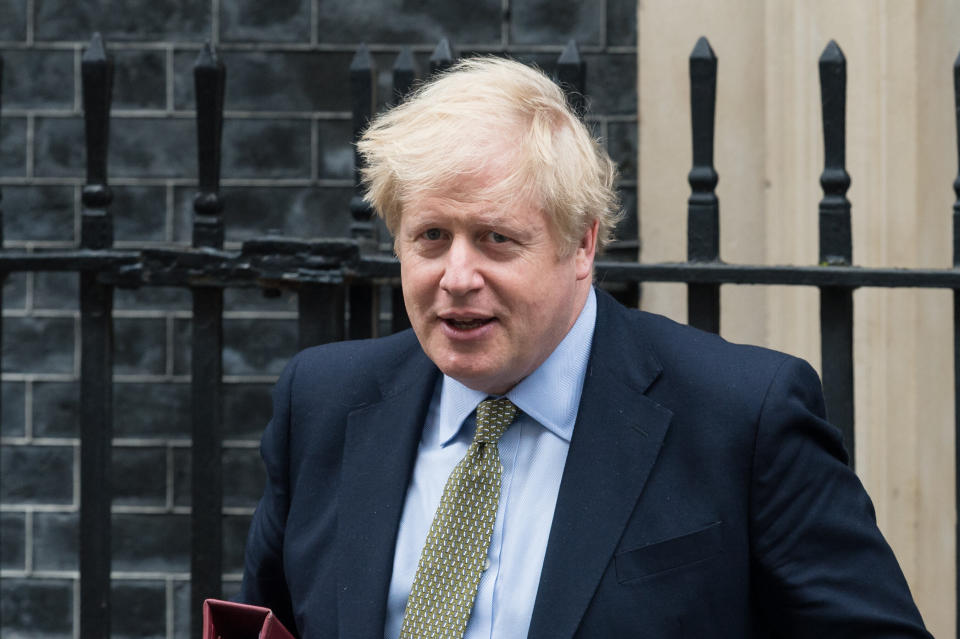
{"x":550,"y":394}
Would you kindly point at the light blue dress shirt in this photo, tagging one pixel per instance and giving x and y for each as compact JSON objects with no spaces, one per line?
{"x":533,"y":452}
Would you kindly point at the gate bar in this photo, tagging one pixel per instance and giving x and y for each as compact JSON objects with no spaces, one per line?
{"x":96,"y":352}
{"x":206,"y":366}
{"x":836,"y":303}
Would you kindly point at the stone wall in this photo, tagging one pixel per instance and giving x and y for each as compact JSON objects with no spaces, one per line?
{"x":287,"y":166}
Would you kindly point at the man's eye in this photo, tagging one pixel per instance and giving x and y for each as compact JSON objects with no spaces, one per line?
{"x":433,"y":234}
{"x":498,"y":238}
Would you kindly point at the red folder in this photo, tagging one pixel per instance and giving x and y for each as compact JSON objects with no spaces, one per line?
{"x":228,"y":620}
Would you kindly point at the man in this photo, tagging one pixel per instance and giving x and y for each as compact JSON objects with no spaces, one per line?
{"x":633,"y":477}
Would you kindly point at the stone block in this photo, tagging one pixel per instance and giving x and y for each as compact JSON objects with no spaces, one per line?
{"x":58,"y":147}
{"x":266,"y":149}
{"x":181,"y":477}
{"x":139,"y":147}
{"x":37,"y":474}
{"x":38,"y":344}
{"x":258,"y":346}
{"x":56,"y":541}
{"x":139,"y":213}
{"x":13,"y":147}
{"x":235,"y":529}
{"x":32,"y":608}
{"x":56,"y":409}
{"x":139,"y":476}
{"x":181,"y":609}
{"x":249,"y":212}
{"x":622,"y":146}
{"x":151,"y":542}
{"x":273,"y":81}
{"x":15,"y":291}
{"x":256,"y":21}
{"x":150,"y":410}
{"x":253,"y":299}
{"x":39,"y":213}
{"x":246,"y":410}
{"x":163,"y":298}
{"x":138,"y":609}
{"x":612,"y":83}
{"x":12,"y":405}
{"x":139,"y":346}
{"x":243,"y":477}
{"x":139,"y":79}
{"x":556,"y":21}
{"x":250,"y":346}
{"x":394,"y":22}
{"x":14,"y":25}
{"x":335,"y":150}
{"x":37,"y":79}
{"x":622,"y":23}
{"x":74,"y":20}
{"x":53,"y":290}
{"x":13,"y":533}
{"x":153,"y":147}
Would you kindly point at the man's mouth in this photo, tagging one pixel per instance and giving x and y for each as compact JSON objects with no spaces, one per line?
{"x":467,"y":324}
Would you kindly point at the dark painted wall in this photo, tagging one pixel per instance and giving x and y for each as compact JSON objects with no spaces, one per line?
{"x":287,"y":165}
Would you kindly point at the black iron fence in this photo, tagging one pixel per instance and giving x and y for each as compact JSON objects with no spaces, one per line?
{"x":342,"y":284}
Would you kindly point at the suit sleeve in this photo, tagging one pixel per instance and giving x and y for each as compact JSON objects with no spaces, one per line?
{"x":822,"y":565}
{"x":264,"y":582}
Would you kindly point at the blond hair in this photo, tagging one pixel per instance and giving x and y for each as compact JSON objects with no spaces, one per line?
{"x":491,"y":117}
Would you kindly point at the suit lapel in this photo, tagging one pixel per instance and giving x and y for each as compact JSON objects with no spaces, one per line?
{"x":615,"y":443}
{"x":379,"y":451}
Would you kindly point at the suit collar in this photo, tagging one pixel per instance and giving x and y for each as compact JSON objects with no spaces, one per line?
{"x":379,"y":450}
{"x":615,"y":444}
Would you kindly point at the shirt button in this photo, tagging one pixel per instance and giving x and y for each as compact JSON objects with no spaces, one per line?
{"x":486,"y":564}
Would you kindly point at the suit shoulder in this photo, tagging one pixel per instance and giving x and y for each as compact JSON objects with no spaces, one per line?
{"x":350,"y":369}
{"x":696,"y":362}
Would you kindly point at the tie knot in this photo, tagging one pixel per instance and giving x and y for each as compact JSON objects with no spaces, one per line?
{"x":493,"y":418}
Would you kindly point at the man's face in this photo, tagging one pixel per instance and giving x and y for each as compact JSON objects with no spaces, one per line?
{"x":487,"y":292}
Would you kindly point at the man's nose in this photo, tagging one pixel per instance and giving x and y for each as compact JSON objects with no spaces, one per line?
{"x":460,"y":273}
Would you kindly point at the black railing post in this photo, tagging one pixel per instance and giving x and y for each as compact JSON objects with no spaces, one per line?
{"x":956,"y":341}
{"x":206,"y":369}
{"x":96,"y":352}
{"x":836,"y":303}
{"x":3,"y":274}
{"x":703,"y":207}
{"x":404,"y":74}
{"x":572,"y":77}
{"x":442,"y":57}
{"x":363,"y":97}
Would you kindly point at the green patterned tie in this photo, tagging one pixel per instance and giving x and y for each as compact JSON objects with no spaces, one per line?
{"x":455,"y":552}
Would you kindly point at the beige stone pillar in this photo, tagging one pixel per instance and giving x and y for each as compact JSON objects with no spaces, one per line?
{"x":901,"y":156}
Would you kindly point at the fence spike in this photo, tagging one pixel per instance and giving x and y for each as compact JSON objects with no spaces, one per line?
{"x":703,"y":207}
{"x":404,"y":74}
{"x":363,"y":97}
{"x":572,"y":77}
{"x":442,"y":57}
{"x":835,"y":239}
{"x":209,"y":77}
{"x":96,"y":231}
{"x":836,"y":302}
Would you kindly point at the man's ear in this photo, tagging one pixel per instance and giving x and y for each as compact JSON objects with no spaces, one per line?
{"x":587,"y":251}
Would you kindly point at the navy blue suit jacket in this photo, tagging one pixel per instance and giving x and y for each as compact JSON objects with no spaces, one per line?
{"x":703,"y":495}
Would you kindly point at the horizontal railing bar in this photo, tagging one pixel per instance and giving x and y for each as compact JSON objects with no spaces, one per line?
{"x":720,"y":273}
{"x":235,"y":269}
